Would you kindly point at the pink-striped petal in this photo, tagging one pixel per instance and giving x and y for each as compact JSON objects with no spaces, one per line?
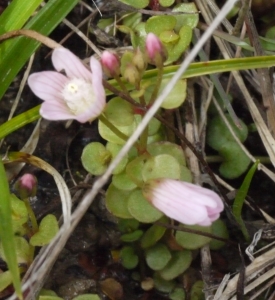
{"x":47,"y":85}
{"x":64,"y":59}
{"x":56,"y":111}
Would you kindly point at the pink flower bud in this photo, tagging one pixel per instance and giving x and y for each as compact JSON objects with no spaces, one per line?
{"x":26,"y":186}
{"x":110,"y":63}
{"x":184,"y":202}
{"x":155,"y":50}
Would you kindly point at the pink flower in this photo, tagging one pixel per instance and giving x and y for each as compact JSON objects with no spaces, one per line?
{"x":185,"y":202}
{"x":155,"y":50}
{"x":79,"y":95}
{"x":26,"y":186}
{"x":110,"y":63}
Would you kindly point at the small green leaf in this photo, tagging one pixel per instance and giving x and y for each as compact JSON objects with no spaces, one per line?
{"x":48,"y":228}
{"x":19,"y":214}
{"x":177,"y":294}
{"x":48,"y":295}
{"x":123,"y":182}
{"x":188,"y":18}
{"x":162,"y":285}
{"x":166,"y":3}
{"x":114,"y":149}
{"x":158,"y":24}
{"x":5,"y":280}
{"x":132,"y":20}
{"x":218,"y":135}
{"x":127,"y":225}
{"x":190,"y":240}
{"x":141,"y":209}
{"x":136,"y":4}
{"x":219,"y":229}
{"x":128,"y":257}
{"x":117,"y":201}
{"x":161,"y":166}
{"x":197,"y":291}
{"x":179,"y":262}
{"x":95,"y":158}
{"x":119,"y":112}
{"x":176,"y":97}
{"x":157,"y":257}
{"x":153,"y":234}
{"x":167,"y":148}
{"x":132,"y":236}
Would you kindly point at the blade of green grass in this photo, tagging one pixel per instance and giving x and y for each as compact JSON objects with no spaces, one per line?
{"x":240,"y":197}
{"x":6,"y":231}
{"x":21,"y":48}
{"x":17,"y":14}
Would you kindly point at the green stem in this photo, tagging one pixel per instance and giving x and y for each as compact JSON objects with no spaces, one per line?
{"x":31,"y":216}
{"x":157,"y":86}
{"x":116,"y":131}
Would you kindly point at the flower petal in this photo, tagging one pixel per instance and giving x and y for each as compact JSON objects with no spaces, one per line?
{"x":185,"y":202}
{"x":56,"y":111}
{"x":100,"y":99}
{"x":47,"y":85}
{"x":64,"y":59}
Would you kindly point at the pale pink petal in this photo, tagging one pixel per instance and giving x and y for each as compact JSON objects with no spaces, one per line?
{"x":100,"y":99}
{"x":47,"y":85}
{"x":110,"y":63}
{"x":64,"y":59}
{"x":185,"y":202}
{"x":56,"y":111}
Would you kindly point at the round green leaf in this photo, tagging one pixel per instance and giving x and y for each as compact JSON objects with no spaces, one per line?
{"x":107,"y":134}
{"x":128,"y":257}
{"x":153,"y":234}
{"x":193,"y":241}
{"x":219,"y":229}
{"x":114,"y":150}
{"x":5,"y":280}
{"x":177,"y":49}
{"x":178,"y":294}
{"x":116,"y":202}
{"x":141,"y":209}
{"x":48,"y":228}
{"x":23,"y":251}
{"x":186,"y":175}
{"x":168,"y":36}
{"x":158,"y":24}
{"x":179,"y":262}
{"x":166,"y":3}
{"x":127,"y":225}
{"x":119,"y":112}
{"x":132,"y":236}
{"x":95,"y":158}
{"x":161,"y":166}
{"x":218,"y":135}
{"x":176,"y":97}
{"x":162,"y":285}
{"x":188,"y":18}
{"x":235,"y":161}
{"x":19,"y":214}
{"x":136,"y":4}
{"x":123,"y":182}
{"x":157,"y":256}
{"x":134,"y":169}
{"x":197,"y":290}
{"x":167,"y":148}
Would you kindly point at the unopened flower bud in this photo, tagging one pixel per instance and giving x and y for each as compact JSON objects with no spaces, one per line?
{"x":26,"y":186}
{"x":139,"y":60}
{"x":155,"y":50}
{"x":110,"y":63}
{"x":131,"y":74}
